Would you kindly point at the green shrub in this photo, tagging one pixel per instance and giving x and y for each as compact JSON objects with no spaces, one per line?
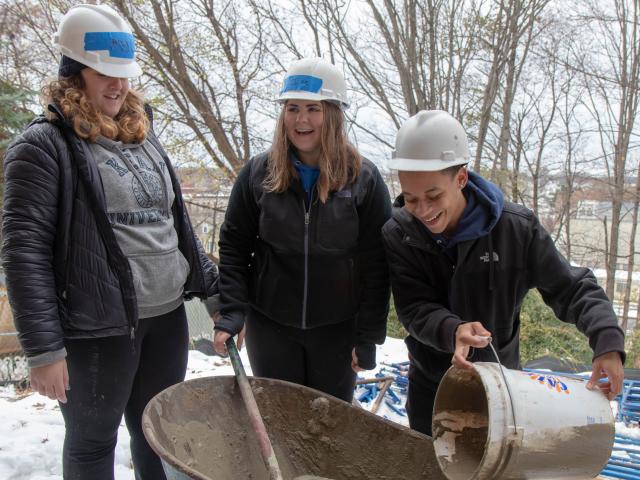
{"x":632,"y":346}
{"x":541,"y":333}
{"x":394,"y":327}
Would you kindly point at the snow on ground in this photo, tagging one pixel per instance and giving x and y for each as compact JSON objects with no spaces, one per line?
{"x":32,"y":429}
{"x":628,"y":431}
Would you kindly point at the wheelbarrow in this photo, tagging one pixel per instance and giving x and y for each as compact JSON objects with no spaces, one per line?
{"x":200,"y":430}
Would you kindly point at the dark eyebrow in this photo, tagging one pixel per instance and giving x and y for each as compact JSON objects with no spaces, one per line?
{"x":293,"y":104}
{"x":429,"y":190}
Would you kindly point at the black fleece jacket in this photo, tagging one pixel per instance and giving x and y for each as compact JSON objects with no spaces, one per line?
{"x":307,"y":266}
{"x":487,"y":283}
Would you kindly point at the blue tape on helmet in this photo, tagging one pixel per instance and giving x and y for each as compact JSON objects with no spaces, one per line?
{"x":119,"y":44}
{"x":302,"y":83}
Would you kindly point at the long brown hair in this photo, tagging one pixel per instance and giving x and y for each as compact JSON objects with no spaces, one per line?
{"x":129,"y":126}
{"x":339,"y":161}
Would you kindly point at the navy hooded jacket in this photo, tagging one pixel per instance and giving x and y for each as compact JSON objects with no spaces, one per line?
{"x":498,"y":253}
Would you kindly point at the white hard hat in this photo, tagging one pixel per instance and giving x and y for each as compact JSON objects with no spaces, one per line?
{"x":314,"y":79}
{"x":96,"y":36}
{"x":430,"y":141}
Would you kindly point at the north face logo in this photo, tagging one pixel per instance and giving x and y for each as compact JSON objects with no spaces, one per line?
{"x":485,"y":257}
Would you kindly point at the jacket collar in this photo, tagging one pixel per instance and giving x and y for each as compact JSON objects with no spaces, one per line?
{"x":61,"y":119}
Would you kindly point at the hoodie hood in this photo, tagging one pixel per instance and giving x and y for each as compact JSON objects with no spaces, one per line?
{"x":484,"y":207}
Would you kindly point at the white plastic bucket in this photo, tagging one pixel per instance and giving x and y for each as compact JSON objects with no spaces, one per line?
{"x":562,"y":430}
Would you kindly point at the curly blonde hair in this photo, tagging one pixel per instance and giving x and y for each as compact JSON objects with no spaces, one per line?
{"x":339,"y":161}
{"x":130,"y":125}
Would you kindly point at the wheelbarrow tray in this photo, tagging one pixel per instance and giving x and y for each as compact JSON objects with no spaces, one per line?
{"x":200,"y":430}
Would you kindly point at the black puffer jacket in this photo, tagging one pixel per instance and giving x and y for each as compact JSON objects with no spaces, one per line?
{"x":493,"y":273}
{"x":308,"y":269}
{"x":66,"y":274}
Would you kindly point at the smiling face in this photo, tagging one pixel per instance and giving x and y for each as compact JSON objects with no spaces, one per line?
{"x":107,"y":94}
{"x":435,"y":198}
{"x":303,"y":120}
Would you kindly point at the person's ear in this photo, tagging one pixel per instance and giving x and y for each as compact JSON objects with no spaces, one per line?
{"x":462,"y":177}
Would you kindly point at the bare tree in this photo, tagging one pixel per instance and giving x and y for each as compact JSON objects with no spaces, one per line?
{"x":28,"y":55}
{"x":612,"y":77}
{"x":626,"y":299}
{"x":507,"y":40}
{"x":206,"y":56}
{"x":534,"y":119}
{"x":571,"y":128}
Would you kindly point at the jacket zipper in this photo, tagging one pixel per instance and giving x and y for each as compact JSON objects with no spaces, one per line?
{"x":307,"y":221}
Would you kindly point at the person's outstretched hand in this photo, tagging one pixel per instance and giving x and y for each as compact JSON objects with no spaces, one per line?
{"x":607,"y":365}
{"x":51,"y":380}
{"x":468,"y":335}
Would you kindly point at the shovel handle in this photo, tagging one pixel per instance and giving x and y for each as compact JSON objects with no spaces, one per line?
{"x":266,"y":450}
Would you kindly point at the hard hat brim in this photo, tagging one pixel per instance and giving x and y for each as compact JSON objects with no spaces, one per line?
{"x":301,"y":95}
{"x":413,"y":165}
{"x":130,"y":69}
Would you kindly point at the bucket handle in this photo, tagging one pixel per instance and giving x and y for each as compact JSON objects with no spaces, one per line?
{"x":489,"y":341}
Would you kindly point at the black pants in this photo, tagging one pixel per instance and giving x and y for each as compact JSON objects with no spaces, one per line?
{"x":115,"y":375}
{"x":319,"y":358}
{"x":420,"y":399}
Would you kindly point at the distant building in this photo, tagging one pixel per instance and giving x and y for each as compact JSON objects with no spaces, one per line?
{"x":590,"y":230}
{"x":206,"y":195}
{"x":620,"y":287}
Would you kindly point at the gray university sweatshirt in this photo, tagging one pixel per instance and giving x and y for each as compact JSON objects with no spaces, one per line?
{"x":139,"y":197}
